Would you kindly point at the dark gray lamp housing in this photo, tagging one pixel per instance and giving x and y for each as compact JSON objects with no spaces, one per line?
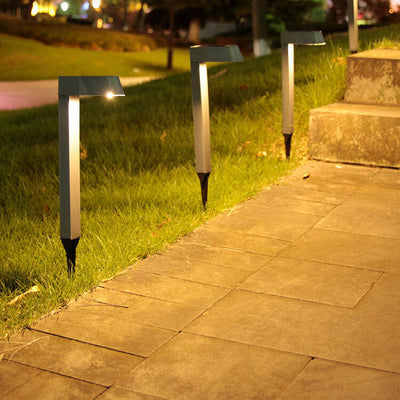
{"x":288,"y":40}
{"x":70,"y":88}
{"x":199,"y":56}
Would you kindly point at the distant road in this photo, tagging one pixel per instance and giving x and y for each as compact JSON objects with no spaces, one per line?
{"x":28,"y":94}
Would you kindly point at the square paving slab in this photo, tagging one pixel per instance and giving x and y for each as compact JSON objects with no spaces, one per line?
{"x":325,"y":185}
{"x":272,"y":223}
{"x":217,"y":256}
{"x":345,"y":248}
{"x":262,"y":199}
{"x":303,"y":206}
{"x":196,"y":271}
{"x":389,"y":283}
{"x":380,"y":304}
{"x":287,"y":203}
{"x":197,"y":367}
{"x":284,"y":225}
{"x":327,"y":380}
{"x":387,"y":199}
{"x":307,"y":280}
{"x":68,"y":357}
{"x":209,"y":234}
{"x":387,"y":177}
{"x":301,"y":193}
{"x":48,"y":386}
{"x":301,"y":327}
{"x":141,"y":309}
{"x":367,"y":220}
{"x":384,"y":297}
{"x":167,"y":288}
{"x":109,"y":330}
{"x":13,"y":375}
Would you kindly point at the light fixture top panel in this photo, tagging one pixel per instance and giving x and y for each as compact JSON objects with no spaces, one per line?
{"x":306,"y":38}
{"x":202,"y":54}
{"x":89,"y":86}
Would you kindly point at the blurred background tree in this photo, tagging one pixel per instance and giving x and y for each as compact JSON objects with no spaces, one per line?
{"x":256,"y":24}
{"x":370,"y":11}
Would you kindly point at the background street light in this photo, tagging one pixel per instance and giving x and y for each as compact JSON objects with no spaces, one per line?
{"x":288,"y":40}
{"x":64,"y":6}
{"x":69,"y":90}
{"x":199,"y":56}
{"x":353,"y":26}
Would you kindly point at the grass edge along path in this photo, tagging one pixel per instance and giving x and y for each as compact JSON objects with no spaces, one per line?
{"x":139,"y":188}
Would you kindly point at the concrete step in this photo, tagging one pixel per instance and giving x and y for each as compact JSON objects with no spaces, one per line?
{"x":356,"y":133}
{"x":374,"y":77}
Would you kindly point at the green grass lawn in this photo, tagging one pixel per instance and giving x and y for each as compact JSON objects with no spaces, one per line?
{"x":28,"y":59}
{"x":139,"y":187}
{"x":54,"y":32}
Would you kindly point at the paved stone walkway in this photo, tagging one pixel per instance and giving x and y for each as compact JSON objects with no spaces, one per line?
{"x":291,"y":295}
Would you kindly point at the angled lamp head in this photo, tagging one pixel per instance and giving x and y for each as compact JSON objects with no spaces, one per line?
{"x":108,"y":86}
{"x":202,"y":54}
{"x":305,"y":38}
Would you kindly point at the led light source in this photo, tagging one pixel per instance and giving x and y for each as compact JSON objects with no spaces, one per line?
{"x":70,"y":88}
{"x":199,"y":56}
{"x":288,"y":40}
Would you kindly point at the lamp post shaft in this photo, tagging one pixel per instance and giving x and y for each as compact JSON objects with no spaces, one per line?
{"x":69,"y":169}
{"x":353,"y":26}
{"x":201,"y":122}
{"x":201,"y":117}
{"x":287,"y":95}
{"x":69,"y":177}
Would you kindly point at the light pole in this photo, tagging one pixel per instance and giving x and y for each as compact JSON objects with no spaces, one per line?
{"x":70,"y":88}
{"x":353,"y":26}
{"x":199,"y":56}
{"x":288,"y":40}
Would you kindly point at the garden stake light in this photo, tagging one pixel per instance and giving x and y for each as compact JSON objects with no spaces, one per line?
{"x":199,"y":56}
{"x":70,"y":88}
{"x":353,"y":26}
{"x":288,"y":40}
